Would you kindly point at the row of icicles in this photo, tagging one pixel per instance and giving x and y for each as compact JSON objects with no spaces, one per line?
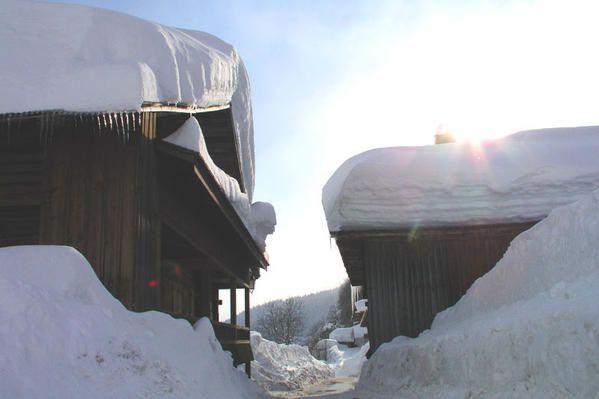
{"x":124,"y":124}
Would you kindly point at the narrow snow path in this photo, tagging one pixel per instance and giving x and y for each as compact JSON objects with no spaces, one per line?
{"x":324,"y":389}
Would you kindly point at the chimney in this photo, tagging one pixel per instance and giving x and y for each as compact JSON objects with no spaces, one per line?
{"x":442,"y":136}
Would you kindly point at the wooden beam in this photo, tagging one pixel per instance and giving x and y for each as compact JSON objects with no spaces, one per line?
{"x":215,"y":302}
{"x":233,"y":292}
{"x":177,"y":218}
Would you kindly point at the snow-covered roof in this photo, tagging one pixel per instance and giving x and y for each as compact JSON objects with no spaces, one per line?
{"x":521,"y":177}
{"x":83,"y":59}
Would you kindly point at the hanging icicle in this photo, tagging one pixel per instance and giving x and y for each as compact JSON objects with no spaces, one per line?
{"x":42,"y":128}
{"x":128,"y":125}
{"x":8,"y":128}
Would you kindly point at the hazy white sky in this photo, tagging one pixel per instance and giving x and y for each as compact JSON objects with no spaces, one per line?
{"x":334,"y":78}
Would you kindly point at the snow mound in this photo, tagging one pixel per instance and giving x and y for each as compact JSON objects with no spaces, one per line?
{"x":519,"y":178}
{"x":345,"y":361}
{"x":527,"y":329}
{"x":63,"y":335}
{"x":259,"y":217}
{"x":280,"y":367}
{"x":76,"y":58}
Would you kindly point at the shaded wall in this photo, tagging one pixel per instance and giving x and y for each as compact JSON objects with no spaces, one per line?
{"x":411,"y":276}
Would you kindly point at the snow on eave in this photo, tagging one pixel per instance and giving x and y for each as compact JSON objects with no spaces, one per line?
{"x":517,"y":179}
{"x":252,"y":220}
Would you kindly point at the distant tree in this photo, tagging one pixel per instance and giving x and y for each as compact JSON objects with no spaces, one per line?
{"x":345,"y":311}
{"x":282,"y":321}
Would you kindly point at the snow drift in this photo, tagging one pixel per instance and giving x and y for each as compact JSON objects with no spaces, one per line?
{"x":62,"y":335}
{"x":519,"y":178}
{"x":83,"y":59}
{"x":280,"y":367}
{"x":345,"y":361}
{"x":527,"y":329}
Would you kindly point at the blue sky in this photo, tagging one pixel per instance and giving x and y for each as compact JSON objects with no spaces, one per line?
{"x":334,"y":78}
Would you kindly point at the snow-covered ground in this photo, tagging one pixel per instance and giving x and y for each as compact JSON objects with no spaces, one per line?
{"x":63,"y":335}
{"x":280,"y":367}
{"x":527,"y":329}
{"x":346,"y":361}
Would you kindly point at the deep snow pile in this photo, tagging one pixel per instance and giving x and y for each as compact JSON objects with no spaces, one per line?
{"x":527,"y":329}
{"x":280,"y":367}
{"x":345,"y":361}
{"x":76,"y":58}
{"x":521,"y":177}
{"x":259,"y":217}
{"x":62,"y":335}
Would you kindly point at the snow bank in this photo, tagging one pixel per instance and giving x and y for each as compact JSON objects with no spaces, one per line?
{"x":62,"y":335}
{"x":521,"y":177}
{"x":76,"y":58}
{"x":259,"y":217}
{"x":280,"y":367}
{"x":527,"y":329}
{"x":345,"y":361}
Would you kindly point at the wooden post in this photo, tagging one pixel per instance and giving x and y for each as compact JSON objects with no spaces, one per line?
{"x":233,"y":305}
{"x":215,"y":302}
{"x":247,"y":308}
{"x":248,"y":365}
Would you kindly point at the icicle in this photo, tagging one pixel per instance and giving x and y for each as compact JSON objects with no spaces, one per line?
{"x":51,"y":129}
{"x":128,"y":126}
{"x":99,"y":123}
{"x":42,"y":127}
{"x":122,"y":127}
{"x":8,"y":127}
{"x":105,"y":124}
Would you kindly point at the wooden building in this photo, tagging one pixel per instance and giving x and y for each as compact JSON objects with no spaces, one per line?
{"x":410,"y":275}
{"x":148,"y":215}
{"x":416,"y":226}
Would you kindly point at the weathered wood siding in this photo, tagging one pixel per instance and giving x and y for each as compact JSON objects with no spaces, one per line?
{"x":21,"y":194}
{"x":411,"y":277}
{"x":91,"y":186}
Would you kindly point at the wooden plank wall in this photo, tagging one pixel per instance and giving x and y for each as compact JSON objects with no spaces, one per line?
{"x":21,"y":193}
{"x":410,"y":280}
{"x":90,"y":181}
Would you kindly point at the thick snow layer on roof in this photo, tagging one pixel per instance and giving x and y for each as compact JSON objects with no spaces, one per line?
{"x":76,"y":58}
{"x":527,"y":329}
{"x":518,"y":178}
{"x":258,"y":217}
{"x":63,"y":335}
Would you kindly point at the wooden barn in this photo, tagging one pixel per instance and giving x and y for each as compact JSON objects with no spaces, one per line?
{"x":416,"y":226}
{"x":83,"y":113}
{"x":148,"y":215}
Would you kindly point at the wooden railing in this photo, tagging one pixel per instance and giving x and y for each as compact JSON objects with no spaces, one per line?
{"x":235,"y":339}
